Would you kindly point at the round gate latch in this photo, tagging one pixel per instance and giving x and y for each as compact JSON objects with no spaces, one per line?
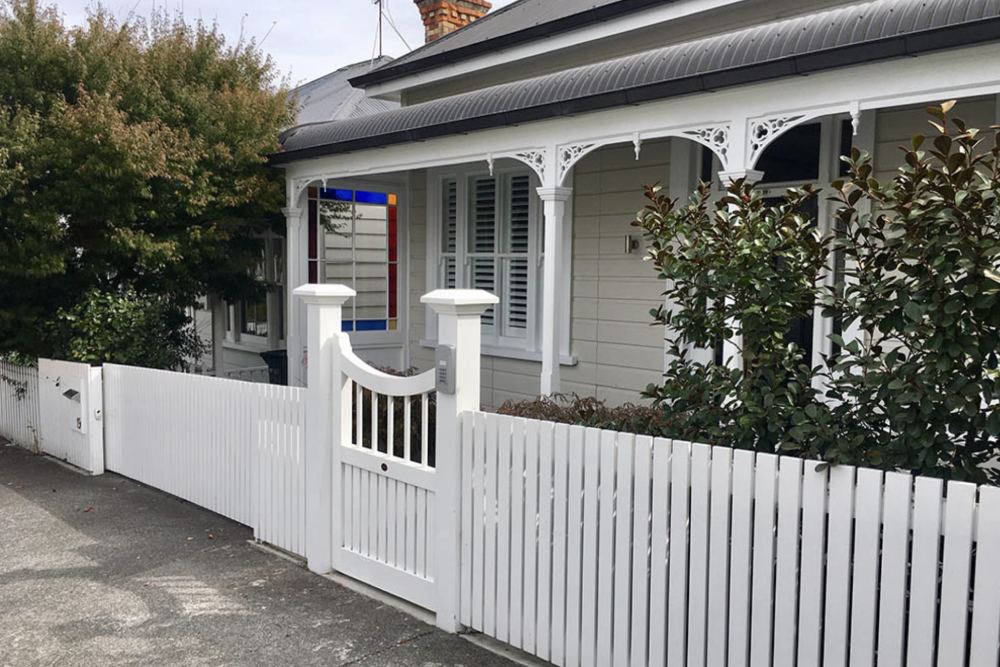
{"x":385,"y":467}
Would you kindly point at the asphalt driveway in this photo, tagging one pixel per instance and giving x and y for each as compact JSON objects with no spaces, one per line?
{"x":104,"y":571}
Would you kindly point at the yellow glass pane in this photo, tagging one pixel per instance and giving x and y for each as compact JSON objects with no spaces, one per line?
{"x":392,"y":325}
{"x":392,"y":200}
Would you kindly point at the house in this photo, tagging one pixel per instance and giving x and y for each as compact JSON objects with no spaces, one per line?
{"x":237,"y":333}
{"x":515,"y":160}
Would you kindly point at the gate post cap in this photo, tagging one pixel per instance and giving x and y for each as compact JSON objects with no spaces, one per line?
{"x":459,"y":301}
{"x":333,"y":295}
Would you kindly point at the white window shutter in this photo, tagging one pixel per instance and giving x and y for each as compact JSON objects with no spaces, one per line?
{"x":449,"y":234}
{"x":482,"y":240}
{"x":516,"y":263}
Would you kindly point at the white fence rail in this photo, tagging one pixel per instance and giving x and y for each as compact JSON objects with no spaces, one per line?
{"x":19,"y":414}
{"x":588,"y":547}
{"x":232,"y":447}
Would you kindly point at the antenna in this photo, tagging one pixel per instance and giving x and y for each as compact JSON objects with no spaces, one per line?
{"x":378,"y":3}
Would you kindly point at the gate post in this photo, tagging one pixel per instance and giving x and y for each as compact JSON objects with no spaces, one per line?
{"x":324,"y":305}
{"x":458,"y":312}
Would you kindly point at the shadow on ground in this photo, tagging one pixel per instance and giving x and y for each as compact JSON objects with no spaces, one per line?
{"x":104,"y":571}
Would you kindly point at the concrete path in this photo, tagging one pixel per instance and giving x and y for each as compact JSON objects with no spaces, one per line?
{"x":104,"y":571}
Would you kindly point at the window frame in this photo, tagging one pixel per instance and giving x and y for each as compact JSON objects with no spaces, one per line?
{"x":374,"y":339}
{"x":494,"y":343}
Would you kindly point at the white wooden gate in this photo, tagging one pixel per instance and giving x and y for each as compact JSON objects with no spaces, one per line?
{"x":383,"y":465}
{"x":382,"y":454}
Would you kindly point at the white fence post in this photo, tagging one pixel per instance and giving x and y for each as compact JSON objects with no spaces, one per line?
{"x":324,"y":305}
{"x":459,"y":312}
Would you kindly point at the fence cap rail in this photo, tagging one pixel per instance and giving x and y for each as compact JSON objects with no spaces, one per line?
{"x":324,"y":294}
{"x":460,"y":301}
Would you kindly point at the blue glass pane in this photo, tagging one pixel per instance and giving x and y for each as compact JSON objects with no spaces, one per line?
{"x":337,"y":195}
{"x":372,"y":325}
{"x":347,"y":325}
{"x":380,"y":198}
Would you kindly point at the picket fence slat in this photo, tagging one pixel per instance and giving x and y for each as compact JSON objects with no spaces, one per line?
{"x":625,"y":474}
{"x":836,"y":627}
{"x":605,"y":553}
{"x":574,"y":545}
{"x":659,"y":561}
{"x":958,"y":524}
{"x":864,"y":596}
{"x":892,"y":589}
{"x":718,"y":558}
{"x":505,"y":511}
{"x":985,"y":637}
{"x":697,"y":603}
{"x":561,"y":499}
{"x":677,"y":612}
{"x":641,"y":529}
{"x":762,"y":587}
{"x":591,"y":516}
{"x":811,"y":590}
{"x":739,"y":565}
{"x":543,"y":621}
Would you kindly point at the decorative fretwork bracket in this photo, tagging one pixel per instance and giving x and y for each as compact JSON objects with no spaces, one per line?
{"x":763,"y":131}
{"x":569,"y":155}
{"x":716,"y":137}
{"x":536,"y":158}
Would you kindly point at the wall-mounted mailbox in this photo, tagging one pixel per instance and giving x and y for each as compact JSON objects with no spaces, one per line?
{"x":444,"y":369}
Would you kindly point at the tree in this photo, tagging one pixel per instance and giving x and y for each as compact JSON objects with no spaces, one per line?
{"x":132,"y":168}
{"x":745,"y":271}
{"x":916,"y":384}
{"x":919,"y":384}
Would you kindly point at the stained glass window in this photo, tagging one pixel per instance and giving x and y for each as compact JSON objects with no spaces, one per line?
{"x":354,"y":241}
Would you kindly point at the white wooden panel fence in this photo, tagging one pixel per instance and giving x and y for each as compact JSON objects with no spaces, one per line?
{"x":232,"y":447}
{"x":587,"y":547}
{"x":19,"y":414}
{"x":71,"y":398}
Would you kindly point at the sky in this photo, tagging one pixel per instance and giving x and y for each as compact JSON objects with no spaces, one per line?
{"x":306,"y":38}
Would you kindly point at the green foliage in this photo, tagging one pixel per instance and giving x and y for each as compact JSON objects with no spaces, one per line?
{"x":915,"y":385}
{"x":592,"y":412}
{"x":127,"y":329}
{"x":132,"y":163}
{"x":740,"y":270}
{"x":919,"y":385}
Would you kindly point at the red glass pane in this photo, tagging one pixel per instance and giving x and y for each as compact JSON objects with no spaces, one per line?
{"x":392,"y":290}
{"x":313,"y":273}
{"x":392,"y":235}
{"x":313,"y":230}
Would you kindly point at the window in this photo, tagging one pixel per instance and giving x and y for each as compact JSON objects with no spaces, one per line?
{"x":488,"y":239}
{"x":252,"y":313}
{"x":354,"y":241}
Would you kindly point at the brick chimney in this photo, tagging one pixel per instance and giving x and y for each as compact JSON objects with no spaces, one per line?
{"x":443,"y":16}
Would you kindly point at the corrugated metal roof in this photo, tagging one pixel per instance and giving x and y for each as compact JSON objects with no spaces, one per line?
{"x":825,"y":40}
{"x":518,"y":22}
{"x":332,"y":97}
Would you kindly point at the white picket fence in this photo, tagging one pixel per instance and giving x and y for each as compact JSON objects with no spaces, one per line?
{"x":19,"y":413}
{"x":579,"y":546}
{"x":588,"y":547}
{"x":232,"y":447}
